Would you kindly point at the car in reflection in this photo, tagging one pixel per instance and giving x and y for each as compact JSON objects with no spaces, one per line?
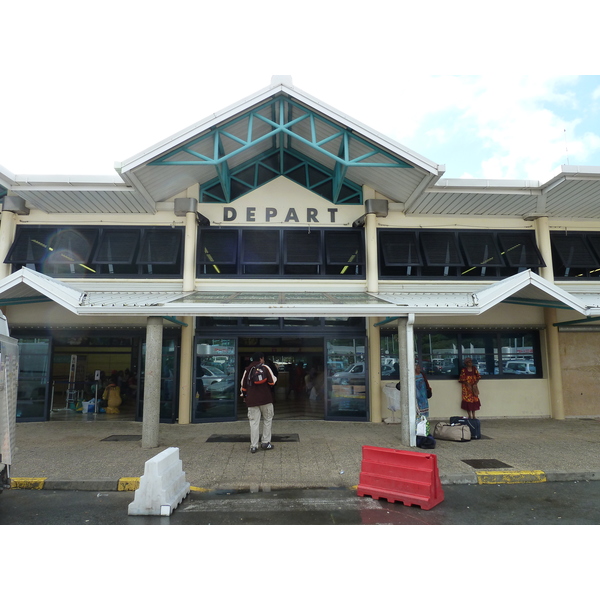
{"x":353,"y":375}
{"x":519,"y":367}
{"x":211,"y":375}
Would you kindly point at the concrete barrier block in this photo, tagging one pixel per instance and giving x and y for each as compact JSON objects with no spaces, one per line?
{"x":162,"y":486}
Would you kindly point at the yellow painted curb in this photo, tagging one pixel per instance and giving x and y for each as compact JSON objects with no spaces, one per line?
{"x":128,"y":484}
{"x":27,"y":483}
{"x":198,"y":489}
{"x":511,"y":477}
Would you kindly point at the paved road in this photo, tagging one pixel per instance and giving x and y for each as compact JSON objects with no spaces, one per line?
{"x":567,"y":503}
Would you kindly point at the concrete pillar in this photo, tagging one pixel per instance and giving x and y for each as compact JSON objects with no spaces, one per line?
{"x":189,"y":260}
{"x":371,"y":253}
{"x":152,"y":377}
{"x":542,"y":233}
{"x":7,"y":237}
{"x":554,"y":366}
{"x":374,"y":337}
{"x":406,"y":360}
{"x":185,"y":371}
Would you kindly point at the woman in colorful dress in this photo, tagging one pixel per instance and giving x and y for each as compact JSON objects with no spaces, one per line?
{"x":469,"y":377}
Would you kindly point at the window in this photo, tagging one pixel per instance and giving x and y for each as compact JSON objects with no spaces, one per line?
{"x":458,"y":253}
{"x":98,"y":251}
{"x":500,"y":354}
{"x":260,"y":252}
{"x":575,"y":254}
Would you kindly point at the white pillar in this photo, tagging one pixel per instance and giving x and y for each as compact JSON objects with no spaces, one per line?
{"x":406,"y":360}
{"x":152,"y":380}
{"x":371,"y":250}
{"x":189,"y":255}
{"x":7,"y":237}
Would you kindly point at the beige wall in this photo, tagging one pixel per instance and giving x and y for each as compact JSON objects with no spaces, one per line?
{"x":499,"y":398}
{"x":580,"y":365}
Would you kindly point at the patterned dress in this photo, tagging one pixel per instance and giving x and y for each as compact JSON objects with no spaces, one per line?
{"x":469,"y":378}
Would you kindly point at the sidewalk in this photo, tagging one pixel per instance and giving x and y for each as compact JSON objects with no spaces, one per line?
{"x":307,"y":454}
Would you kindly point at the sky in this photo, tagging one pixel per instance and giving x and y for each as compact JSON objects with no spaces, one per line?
{"x":88,"y":84}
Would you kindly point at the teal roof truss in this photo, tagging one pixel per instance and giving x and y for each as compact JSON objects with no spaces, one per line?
{"x":281,"y":137}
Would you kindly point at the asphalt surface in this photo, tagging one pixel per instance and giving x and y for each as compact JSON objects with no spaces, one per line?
{"x":96,"y":452}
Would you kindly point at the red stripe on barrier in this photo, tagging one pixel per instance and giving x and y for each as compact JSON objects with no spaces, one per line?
{"x":400,"y":476}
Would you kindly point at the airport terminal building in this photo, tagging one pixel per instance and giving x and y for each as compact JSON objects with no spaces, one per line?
{"x":282,"y":225}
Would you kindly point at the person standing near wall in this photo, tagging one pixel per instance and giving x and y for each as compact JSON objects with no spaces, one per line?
{"x":469,"y":378}
{"x":256,"y":384}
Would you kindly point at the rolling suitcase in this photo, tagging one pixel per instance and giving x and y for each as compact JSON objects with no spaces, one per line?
{"x":473,"y":424}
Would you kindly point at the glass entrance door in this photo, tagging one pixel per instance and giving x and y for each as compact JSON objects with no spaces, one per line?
{"x":216,"y":387}
{"x":32,"y":394}
{"x":347,"y":379}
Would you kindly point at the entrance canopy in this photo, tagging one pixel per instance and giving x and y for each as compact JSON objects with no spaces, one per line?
{"x":27,"y":286}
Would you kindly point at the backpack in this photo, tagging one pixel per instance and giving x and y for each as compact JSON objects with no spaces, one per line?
{"x":257,"y":375}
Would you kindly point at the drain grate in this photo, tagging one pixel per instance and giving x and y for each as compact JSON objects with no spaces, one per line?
{"x":486,"y":463}
{"x":287,"y":437}
{"x":122,"y":438}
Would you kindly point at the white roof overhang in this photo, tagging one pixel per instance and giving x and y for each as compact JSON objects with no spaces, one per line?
{"x":573,"y":192}
{"x":27,"y":286}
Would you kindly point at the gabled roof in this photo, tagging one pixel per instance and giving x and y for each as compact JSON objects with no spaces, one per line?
{"x":280,"y":117}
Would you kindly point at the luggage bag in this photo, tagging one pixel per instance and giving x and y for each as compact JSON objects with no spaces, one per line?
{"x":473,"y":424}
{"x":453,"y":433}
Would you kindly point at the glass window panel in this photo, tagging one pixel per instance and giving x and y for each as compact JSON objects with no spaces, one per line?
{"x":72,"y":246}
{"x":520,"y":249}
{"x":481,"y":249}
{"x":302,"y":247}
{"x":260,"y":247}
{"x":481,"y":349}
{"x":117,"y":246}
{"x":400,"y":248}
{"x":344,"y":247}
{"x":441,"y":249}
{"x":31,"y":245}
{"x":573,"y":251}
{"x":160,"y":246}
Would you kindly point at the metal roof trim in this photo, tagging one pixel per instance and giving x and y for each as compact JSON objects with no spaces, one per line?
{"x":61,"y":293}
{"x":503,"y":290}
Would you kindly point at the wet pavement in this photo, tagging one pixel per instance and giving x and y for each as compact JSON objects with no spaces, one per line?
{"x":95,"y":452}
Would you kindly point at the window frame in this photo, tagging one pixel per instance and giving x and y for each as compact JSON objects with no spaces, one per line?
{"x":460,"y":265}
{"x":136,"y":268}
{"x":325,"y":266}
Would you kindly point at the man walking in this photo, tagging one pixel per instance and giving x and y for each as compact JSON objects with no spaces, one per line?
{"x":257,"y":381}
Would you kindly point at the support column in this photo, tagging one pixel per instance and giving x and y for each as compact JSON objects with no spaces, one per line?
{"x":189,"y":208}
{"x":7,"y":237}
{"x":185,"y":371}
{"x":374,"y":337}
{"x":152,"y":376}
{"x":406,"y":360}
{"x":371,"y":253}
{"x":542,"y":232}
{"x":554,"y":366}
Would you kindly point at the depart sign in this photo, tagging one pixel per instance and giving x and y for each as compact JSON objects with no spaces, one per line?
{"x":252,"y":214}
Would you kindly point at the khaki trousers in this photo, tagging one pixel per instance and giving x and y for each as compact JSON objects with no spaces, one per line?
{"x":254,"y":415}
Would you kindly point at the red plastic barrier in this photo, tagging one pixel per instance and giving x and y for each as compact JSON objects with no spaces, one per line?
{"x":400,"y":476}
